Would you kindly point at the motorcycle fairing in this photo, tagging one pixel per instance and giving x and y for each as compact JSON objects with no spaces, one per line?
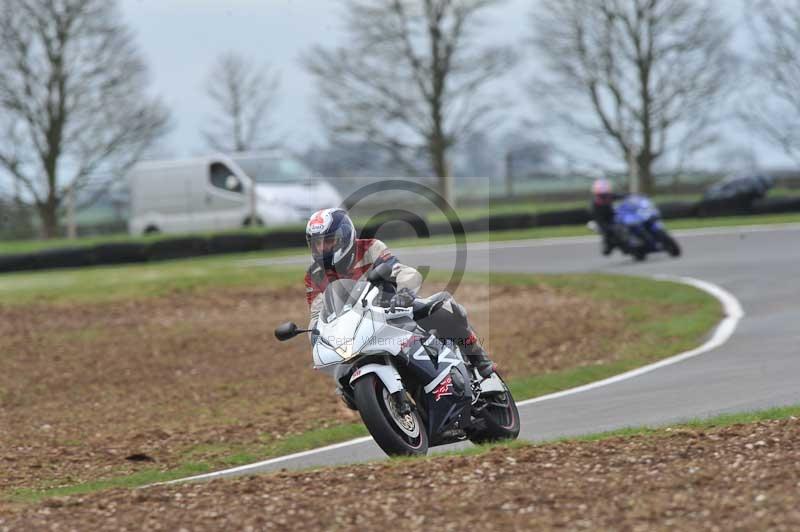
{"x":430,"y":361}
{"x":371,"y":335}
{"x":385,"y":372}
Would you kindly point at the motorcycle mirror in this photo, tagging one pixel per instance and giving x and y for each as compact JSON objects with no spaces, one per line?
{"x":286,"y":331}
{"x":382,"y":272}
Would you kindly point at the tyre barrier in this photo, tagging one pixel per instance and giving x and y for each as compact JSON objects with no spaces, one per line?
{"x":177,"y":248}
{"x":402,"y":224}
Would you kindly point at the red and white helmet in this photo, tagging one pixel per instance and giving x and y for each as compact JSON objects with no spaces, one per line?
{"x":331,"y":238}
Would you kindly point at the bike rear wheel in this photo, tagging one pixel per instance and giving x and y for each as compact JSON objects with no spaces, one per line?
{"x":500,"y":416}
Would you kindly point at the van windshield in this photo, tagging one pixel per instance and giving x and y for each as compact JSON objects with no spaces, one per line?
{"x":273,"y":169}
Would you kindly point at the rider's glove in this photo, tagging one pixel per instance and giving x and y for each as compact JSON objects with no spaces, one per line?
{"x":403,"y":298}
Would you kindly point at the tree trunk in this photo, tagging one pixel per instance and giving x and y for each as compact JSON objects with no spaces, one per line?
{"x":72,"y":230}
{"x":644,"y":162}
{"x":442,"y":170}
{"x":634,"y":183}
{"x":48,"y":215}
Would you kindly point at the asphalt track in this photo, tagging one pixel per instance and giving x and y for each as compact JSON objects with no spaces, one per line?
{"x":758,"y":367}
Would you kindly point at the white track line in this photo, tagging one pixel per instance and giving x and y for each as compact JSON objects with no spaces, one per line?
{"x":216,"y":474}
{"x":723,"y":332}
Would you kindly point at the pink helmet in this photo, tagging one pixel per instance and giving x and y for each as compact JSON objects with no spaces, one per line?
{"x":602,"y":190}
{"x":602,"y":187}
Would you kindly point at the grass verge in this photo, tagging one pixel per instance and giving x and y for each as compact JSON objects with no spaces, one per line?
{"x":153,"y":279}
{"x":322,"y":438}
{"x":292,"y":444}
{"x":465,"y":214}
{"x":137,"y":281}
{"x":659,"y":335}
{"x":721,"y":421}
{"x":581,"y":230}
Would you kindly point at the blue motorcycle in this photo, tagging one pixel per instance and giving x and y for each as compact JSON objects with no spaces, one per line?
{"x":638,"y":230}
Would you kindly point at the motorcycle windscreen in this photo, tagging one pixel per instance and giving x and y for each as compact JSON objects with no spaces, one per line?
{"x":349,"y":334}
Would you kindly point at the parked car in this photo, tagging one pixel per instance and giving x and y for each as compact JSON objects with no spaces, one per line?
{"x":221,"y":192}
{"x":734,"y":194}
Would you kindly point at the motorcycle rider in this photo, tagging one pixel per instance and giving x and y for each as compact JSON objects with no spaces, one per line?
{"x":602,"y":209}
{"x":338,"y":254}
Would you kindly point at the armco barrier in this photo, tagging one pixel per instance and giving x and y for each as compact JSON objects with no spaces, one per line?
{"x":403,"y":225}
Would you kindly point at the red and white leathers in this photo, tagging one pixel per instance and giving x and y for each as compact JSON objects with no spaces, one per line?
{"x":449,"y":318}
{"x":368,"y":252}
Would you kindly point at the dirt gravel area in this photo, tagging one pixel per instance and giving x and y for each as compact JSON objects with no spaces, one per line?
{"x":83,"y":387}
{"x":743,"y":477}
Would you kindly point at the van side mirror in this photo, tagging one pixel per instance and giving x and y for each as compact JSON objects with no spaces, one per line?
{"x":286,"y":331}
{"x":380,"y":273}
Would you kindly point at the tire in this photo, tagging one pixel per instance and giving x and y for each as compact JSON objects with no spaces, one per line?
{"x":639,"y":255}
{"x":375,"y":406}
{"x":670,"y":244}
{"x":502,"y":422}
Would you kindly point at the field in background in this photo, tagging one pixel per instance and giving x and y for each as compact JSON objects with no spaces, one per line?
{"x":465,"y":212}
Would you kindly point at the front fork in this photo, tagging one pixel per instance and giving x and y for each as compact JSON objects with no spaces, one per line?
{"x":391,"y":379}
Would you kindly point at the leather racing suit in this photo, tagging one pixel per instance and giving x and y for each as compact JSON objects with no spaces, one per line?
{"x":449,"y":318}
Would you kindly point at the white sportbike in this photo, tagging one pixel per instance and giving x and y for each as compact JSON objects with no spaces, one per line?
{"x":412,"y":389}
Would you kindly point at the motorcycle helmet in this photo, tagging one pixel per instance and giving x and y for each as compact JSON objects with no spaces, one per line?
{"x":603,"y":192}
{"x":331,"y":238}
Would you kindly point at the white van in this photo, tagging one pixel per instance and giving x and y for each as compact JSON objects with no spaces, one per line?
{"x":222,"y":192}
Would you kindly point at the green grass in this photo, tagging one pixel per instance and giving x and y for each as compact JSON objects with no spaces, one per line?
{"x":660,"y":431}
{"x":232,"y":455}
{"x":465,"y":213}
{"x":542,"y":205}
{"x":581,"y":230}
{"x":322,"y":437}
{"x":136,"y":281}
{"x":687,"y":223}
{"x":8,"y":247}
{"x":140,"y":478}
{"x":660,"y":336}
{"x":721,"y":421}
{"x":193,"y":466}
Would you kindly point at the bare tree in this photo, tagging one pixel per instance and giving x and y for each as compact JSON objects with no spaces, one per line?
{"x":642,"y":77}
{"x":244,"y":95}
{"x":772,"y":106}
{"x":410,"y":78}
{"x":72,"y":96}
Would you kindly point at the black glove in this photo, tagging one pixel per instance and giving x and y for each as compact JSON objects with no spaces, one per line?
{"x":403,"y":298}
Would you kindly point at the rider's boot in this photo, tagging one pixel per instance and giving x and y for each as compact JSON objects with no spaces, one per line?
{"x":478,"y":357}
{"x":608,"y":245}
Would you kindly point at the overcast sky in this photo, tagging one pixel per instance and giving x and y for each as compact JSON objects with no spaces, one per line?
{"x":181,"y":39}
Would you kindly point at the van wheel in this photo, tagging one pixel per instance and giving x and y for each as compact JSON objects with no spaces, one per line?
{"x":151,"y":230}
{"x":253,"y":222}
